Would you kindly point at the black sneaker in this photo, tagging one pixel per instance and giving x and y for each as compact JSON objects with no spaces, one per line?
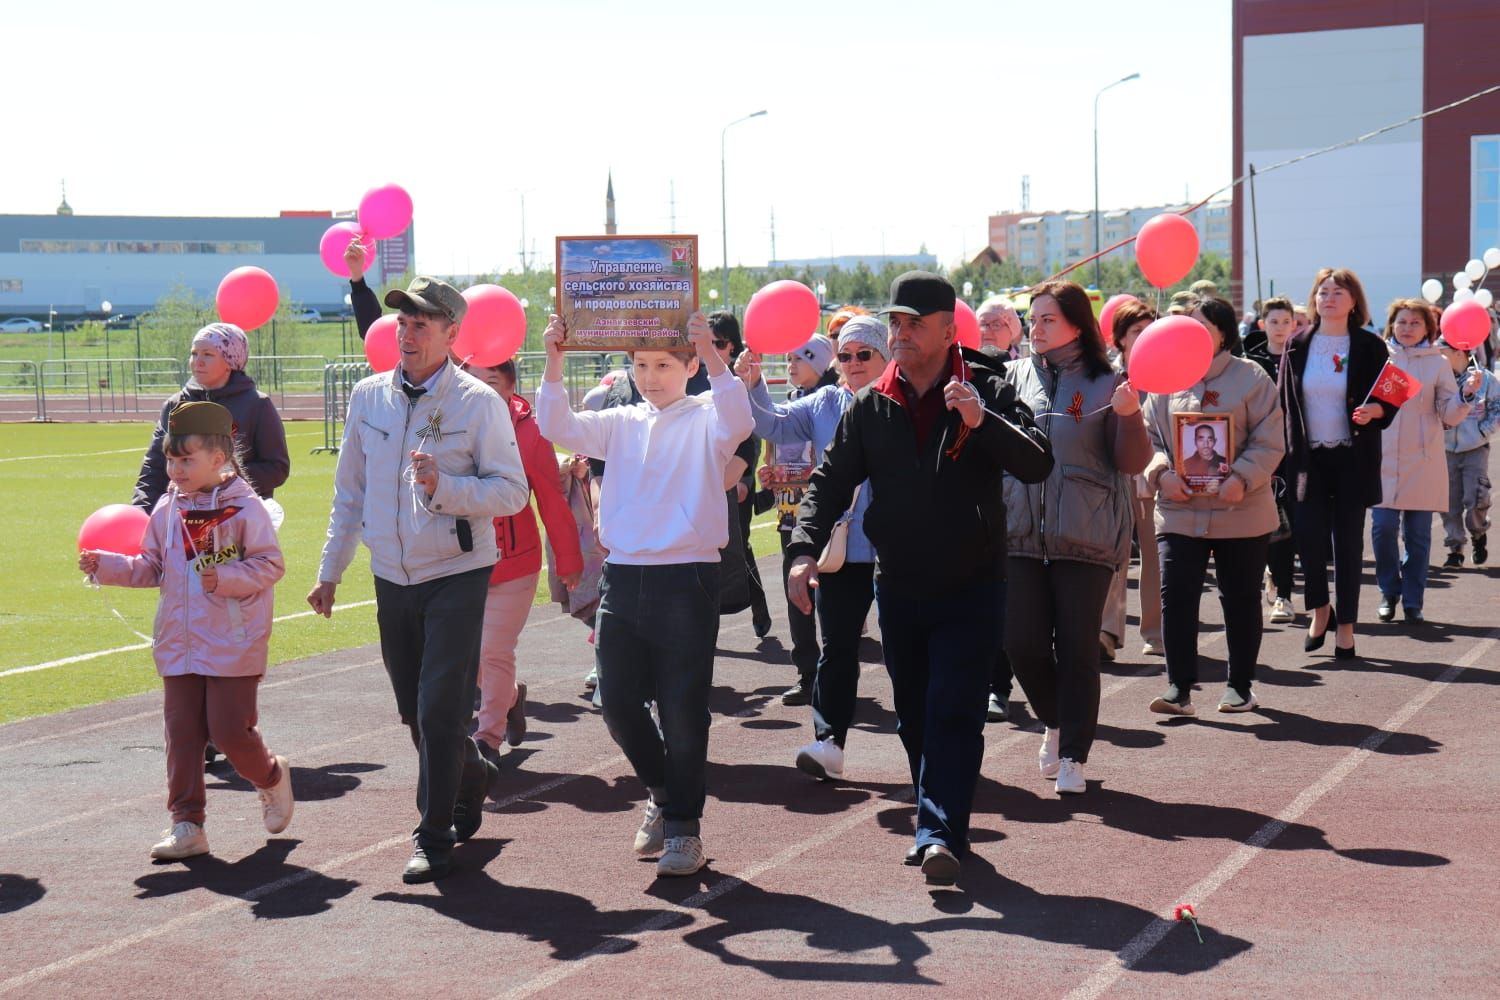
{"x":1237,"y":701}
{"x":210,"y":756}
{"x":1455,"y":559}
{"x":1387,"y":609}
{"x":489,"y":753}
{"x":1174,"y":702}
{"x":468,"y":810}
{"x":999,"y":708}
{"x":427,"y":864}
{"x":1481,"y":549}
{"x":799,"y":693}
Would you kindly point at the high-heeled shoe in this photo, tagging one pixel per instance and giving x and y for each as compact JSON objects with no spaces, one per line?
{"x":1344,"y":653}
{"x":1315,"y":642}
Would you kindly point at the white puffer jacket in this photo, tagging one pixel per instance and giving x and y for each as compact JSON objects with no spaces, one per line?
{"x":414,"y":538}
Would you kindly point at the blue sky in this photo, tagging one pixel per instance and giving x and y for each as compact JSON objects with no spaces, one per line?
{"x":889,"y":124}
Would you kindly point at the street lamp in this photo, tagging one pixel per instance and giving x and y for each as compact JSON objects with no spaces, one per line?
{"x":1097,"y":242}
{"x":968,"y":289}
{"x":822,"y":292}
{"x":723,"y":199}
{"x":106,"y":308}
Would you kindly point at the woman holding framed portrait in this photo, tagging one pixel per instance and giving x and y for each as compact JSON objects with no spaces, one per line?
{"x":1217,"y":444}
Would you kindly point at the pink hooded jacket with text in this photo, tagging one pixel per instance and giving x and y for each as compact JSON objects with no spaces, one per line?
{"x":223,"y":634}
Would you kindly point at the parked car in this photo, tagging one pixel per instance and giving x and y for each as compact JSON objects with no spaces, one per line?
{"x":121,"y":319}
{"x":308,"y":316}
{"x":21,"y":324}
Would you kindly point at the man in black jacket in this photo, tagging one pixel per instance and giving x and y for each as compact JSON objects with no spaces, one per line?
{"x":932,"y":436}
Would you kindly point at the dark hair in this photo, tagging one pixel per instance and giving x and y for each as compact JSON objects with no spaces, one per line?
{"x":181,"y":445}
{"x":1221,"y":314}
{"x":1418,"y":306}
{"x":726,"y":327}
{"x":1359,"y":316}
{"x":1279,"y":302}
{"x":1079,"y":311}
{"x":1128,"y":314}
{"x":507,"y":368}
{"x":415,"y":313}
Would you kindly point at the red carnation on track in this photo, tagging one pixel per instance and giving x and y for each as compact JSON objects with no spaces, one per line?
{"x":1185,"y":911}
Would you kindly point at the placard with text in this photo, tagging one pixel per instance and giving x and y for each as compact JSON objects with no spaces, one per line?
{"x":627,"y":293}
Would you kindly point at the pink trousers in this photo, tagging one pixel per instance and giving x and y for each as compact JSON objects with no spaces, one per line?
{"x":198,"y":709}
{"x":505,"y":611}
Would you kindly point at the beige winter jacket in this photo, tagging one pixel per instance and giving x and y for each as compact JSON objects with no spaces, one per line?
{"x":1413,"y":469}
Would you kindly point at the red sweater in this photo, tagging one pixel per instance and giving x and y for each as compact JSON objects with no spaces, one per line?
{"x":520,"y":542}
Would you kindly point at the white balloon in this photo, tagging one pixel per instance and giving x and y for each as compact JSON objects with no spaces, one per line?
{"x":1475,"y":269}
{"x":1461,"y":280}
{"x":1463,"y":295}
{"x":1492,"y":258}
{"x":1432,"y":289}
{"x":1484,"y":298}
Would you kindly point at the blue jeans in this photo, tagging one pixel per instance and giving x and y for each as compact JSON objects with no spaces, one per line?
{"x":939,"y":648}
{"x":654,"y":641}
{"x":1404,"y":578}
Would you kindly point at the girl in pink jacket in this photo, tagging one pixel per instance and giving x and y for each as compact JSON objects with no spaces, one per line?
{"x":211,"y":548}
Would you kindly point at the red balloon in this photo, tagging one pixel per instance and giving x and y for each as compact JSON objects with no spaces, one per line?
{"x":967,"y":323}
{"x":115,"y":527}
{"x":247,"y":297}
{"x":381,"y":349}
{"x":781,"y":317}
{"x":1466,"y":324}
{"x":1170,"y":355}
{"x":1166,"y":249}
{"x":494,"y":326}
{"x":1107,"y":315}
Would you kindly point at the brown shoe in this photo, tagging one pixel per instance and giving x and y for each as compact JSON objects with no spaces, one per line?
{"x":515,"y":719}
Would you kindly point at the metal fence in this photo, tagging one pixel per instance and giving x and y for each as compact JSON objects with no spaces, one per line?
{"x":108,"y":388}
{"x":21,"y":391}
{"x":339,"y":380}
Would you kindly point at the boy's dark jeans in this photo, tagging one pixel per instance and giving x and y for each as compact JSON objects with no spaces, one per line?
{"x":429,"y":639}
{"x":655,"y":637}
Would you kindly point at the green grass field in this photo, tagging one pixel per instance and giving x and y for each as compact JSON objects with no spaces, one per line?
{"x":52,"y":476}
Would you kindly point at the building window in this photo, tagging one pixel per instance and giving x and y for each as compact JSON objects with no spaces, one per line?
{"x":143,"y":246}
{"x":10,"y":284}
{"x":1484,"y":228}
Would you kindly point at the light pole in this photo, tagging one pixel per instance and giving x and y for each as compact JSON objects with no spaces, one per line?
{"x":106,"y":308}
{"x":1097,"y":242}
{"x":724,"y":200}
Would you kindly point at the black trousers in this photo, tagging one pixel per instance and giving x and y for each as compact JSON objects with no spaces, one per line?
{"x":1002,"y":678}
{"x":429,"y":639}
{"x":843,"y":601}
{"x":1330,"y":521}
{"x":1237,"y":569}
{"x":803,"y":626}
{"x":759,"y":611}
{"x":1052,"y":616}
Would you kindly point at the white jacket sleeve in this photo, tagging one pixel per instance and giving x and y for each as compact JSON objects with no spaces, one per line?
{"x":348,"y":498}
{"x":582,"y":433}
{"x":736,"y":421}
{"x":498,"y":487}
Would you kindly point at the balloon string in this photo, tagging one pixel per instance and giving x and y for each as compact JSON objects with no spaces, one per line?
{"x":1065,"y":413}
{"x":144,"y":638}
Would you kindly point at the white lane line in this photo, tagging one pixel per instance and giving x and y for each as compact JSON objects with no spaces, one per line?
{"x":139,"y":450}
{"x":137,"y":716}
{"x":82,"y":657}
{"x":1152,"y":934}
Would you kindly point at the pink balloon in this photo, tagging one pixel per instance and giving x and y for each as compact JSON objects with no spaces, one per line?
{"x":1166,"y":249}
{"x":336,"y":240}
{"x":1170,"y":355}
{"x":1107,"y":315}
{"x":115,"y":527}
{"x":381,"y":349}
{"x":781,"y":317}
{"x":494,"y":326}
{"x":967,"y":323}
{"x":385,"y":211}
{"x":247,"y":297}
{"x":1466,"y":324}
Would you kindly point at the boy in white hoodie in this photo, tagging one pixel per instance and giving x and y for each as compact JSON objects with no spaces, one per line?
{"x":662,"y":519}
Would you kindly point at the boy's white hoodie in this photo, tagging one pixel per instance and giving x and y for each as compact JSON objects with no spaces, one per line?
{"x":662,"y":502}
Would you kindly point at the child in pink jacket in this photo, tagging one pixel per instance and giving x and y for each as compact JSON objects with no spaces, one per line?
{"x":211,"y":548}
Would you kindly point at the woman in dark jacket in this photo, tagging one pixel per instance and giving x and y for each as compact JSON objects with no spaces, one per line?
{"x":1333,"y":448}
{"x":217,"y":359}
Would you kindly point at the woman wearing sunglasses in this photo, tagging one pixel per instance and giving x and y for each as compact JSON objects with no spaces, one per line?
{"x":843,"y":599}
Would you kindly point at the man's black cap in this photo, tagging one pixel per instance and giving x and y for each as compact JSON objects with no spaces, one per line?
{"x":921,"y":293}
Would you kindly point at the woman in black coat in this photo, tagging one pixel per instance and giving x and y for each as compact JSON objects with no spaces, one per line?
{"x":1333,"y":448}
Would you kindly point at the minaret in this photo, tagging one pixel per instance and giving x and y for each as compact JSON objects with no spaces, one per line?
{"x":65,"y":208}
{"x":609,"y":206}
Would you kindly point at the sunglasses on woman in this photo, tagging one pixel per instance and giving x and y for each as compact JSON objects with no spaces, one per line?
{"x":863,"y":356}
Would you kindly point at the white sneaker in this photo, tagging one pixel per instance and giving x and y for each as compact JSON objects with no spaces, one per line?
{"x":1267,"y":586}
{"x":648,"y":839}
{"x":276,"y":802}
{"x":823,"y":759}
{"x":1046,"y":757}
{"x":1282,"y":611}
{"x":1070,"y":777}
{"x":184,"y":840}
{"x":684,"y":856}
{"x":1152,"y":649}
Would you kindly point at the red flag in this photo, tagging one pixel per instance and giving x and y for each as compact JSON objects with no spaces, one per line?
{"x":1394,"y":386}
